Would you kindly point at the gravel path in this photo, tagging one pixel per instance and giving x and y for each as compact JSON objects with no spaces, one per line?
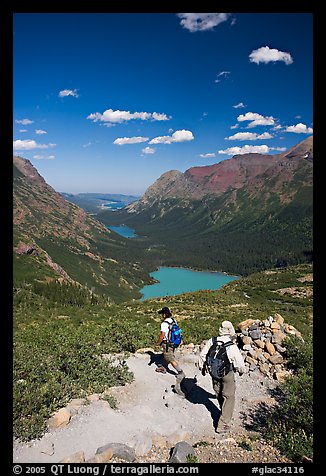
{"x":149,"y":407}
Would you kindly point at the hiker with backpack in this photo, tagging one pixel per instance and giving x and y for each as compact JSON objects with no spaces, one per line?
{"x":221,"y":358}
{"x":170,"y":338}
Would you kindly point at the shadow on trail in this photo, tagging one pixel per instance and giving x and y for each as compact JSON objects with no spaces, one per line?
{"x":197,"y":395}
{"x":159,"y":361}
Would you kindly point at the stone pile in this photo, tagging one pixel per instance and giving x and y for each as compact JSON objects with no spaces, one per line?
{"x":262,"y":345}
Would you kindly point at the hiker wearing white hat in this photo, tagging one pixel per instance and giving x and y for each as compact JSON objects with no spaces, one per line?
{"x":221,"y":357}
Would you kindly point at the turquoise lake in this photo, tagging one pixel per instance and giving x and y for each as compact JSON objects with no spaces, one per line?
{"x":124,"y":230}
{"x":174,"y":281}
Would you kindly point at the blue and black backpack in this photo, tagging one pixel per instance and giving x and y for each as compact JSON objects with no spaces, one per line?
{"x":175,"y":333}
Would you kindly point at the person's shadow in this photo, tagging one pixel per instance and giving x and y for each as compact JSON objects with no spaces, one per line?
{"x":159,"y":361}
{"x":193,"y":392}
{"x":197,"y":395}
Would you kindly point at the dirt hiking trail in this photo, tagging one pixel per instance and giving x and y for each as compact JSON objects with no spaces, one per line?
{"x":151,"y":418}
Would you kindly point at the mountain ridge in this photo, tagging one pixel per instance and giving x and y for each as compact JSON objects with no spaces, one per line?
{"x":241,"y":215}
{"x":216,"y":179}
{"x":55,"y":239}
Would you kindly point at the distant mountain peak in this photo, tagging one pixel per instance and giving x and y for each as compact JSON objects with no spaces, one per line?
{"x":238,"y":172}
{"x":27,"y":169}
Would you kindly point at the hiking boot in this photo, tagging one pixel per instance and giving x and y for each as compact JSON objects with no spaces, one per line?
{"x":222,"y":429}
{"x":180,"y":376}
{"x":178,"y":390}
{"x":161,"y":370}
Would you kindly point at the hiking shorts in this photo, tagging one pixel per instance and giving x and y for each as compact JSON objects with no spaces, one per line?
{"x":168,"y":354}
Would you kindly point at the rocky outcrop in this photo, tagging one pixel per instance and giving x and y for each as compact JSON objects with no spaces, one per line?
{"x":262,"y":345}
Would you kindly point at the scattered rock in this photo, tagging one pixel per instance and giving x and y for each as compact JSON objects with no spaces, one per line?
{"x":181,"y":452}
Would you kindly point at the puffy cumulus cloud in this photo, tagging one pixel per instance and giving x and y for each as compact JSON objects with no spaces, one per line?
{"x":177,"y":136}
{"x":249,"y":136}
{"x":111,"y":116}
{"x":68,"y":92}
{"x":246,"y":149}
{"x":24,"y":122}
{"x":269,"y":55}
{"x":130,"y":140}
{"x":148,"y":150}
{"x":160,"y":116}
{"x":256,"y":119}
{"x":299,"y":129}
{"x":40,"y":131}
{"x":207,"y":156}
{"x":202,"y":21}
{"x":29,"y":144}
{"x":161,"y":140}
{"x":182,"y":136}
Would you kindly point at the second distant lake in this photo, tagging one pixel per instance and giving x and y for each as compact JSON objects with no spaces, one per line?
{"x":174,"y":281}
{"x":124,"y":230}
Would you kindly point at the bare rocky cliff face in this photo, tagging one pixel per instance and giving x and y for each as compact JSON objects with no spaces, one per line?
{"x":247,"y":171}
{"x":33,"y":197}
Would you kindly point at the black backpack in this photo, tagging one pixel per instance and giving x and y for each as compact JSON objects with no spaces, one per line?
{"x":175,"y":333}
{"x":217,"y":360}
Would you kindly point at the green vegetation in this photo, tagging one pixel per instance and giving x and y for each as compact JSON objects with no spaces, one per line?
{"x":246,"y":445}
{"x":238,"y":237}
{"x":63,"y":338}
{"x":290,"y":425}
{"x":65,"y":335}
{"x":192,"y":459}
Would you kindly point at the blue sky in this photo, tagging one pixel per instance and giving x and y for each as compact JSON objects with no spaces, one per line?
{"x":107,"y":102}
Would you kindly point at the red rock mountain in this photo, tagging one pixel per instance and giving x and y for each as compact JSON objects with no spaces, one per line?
{"x":249,"y":171}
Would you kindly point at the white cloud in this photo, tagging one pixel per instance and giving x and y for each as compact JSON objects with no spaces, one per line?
{"x":235,"y":126}
{"x":161,"y":140}
{"x":68,"y":92}
{"x":182,"y":136}
{"x":256,"y":119}
{"x":29,"y":144}
{"x":299,"y":129}
{"x":202,"y":21}
{"x":40,"y":131}
{"x":268,"y":55}
{"x":24,"y":122}
{"x":44,"y":157}
{"x":87,"y":145}
{"x":130,"y":140}
{"x":160,"y":116}
{"x":249,"y":136}
{"x":238,"y":106}
{"x":149,"y":150}
{"x":177,"y":136}
{"x":207,"y":156}
{"x":246,"y":149}
{"x":222,"y":74}
{"x":23,"y":130}
{"x":111,"y":116}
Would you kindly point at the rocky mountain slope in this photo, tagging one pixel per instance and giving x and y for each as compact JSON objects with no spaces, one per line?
{"x":250,"y":171}
{"x":244,"y":214}
{"x":54,"y":238}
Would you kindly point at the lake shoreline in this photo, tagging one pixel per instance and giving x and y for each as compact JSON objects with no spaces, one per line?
{"x":204,"y":270}
{"x":172,"y":281}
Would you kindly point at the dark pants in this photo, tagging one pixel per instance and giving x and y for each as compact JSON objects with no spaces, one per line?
{"x":225,"y":393}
